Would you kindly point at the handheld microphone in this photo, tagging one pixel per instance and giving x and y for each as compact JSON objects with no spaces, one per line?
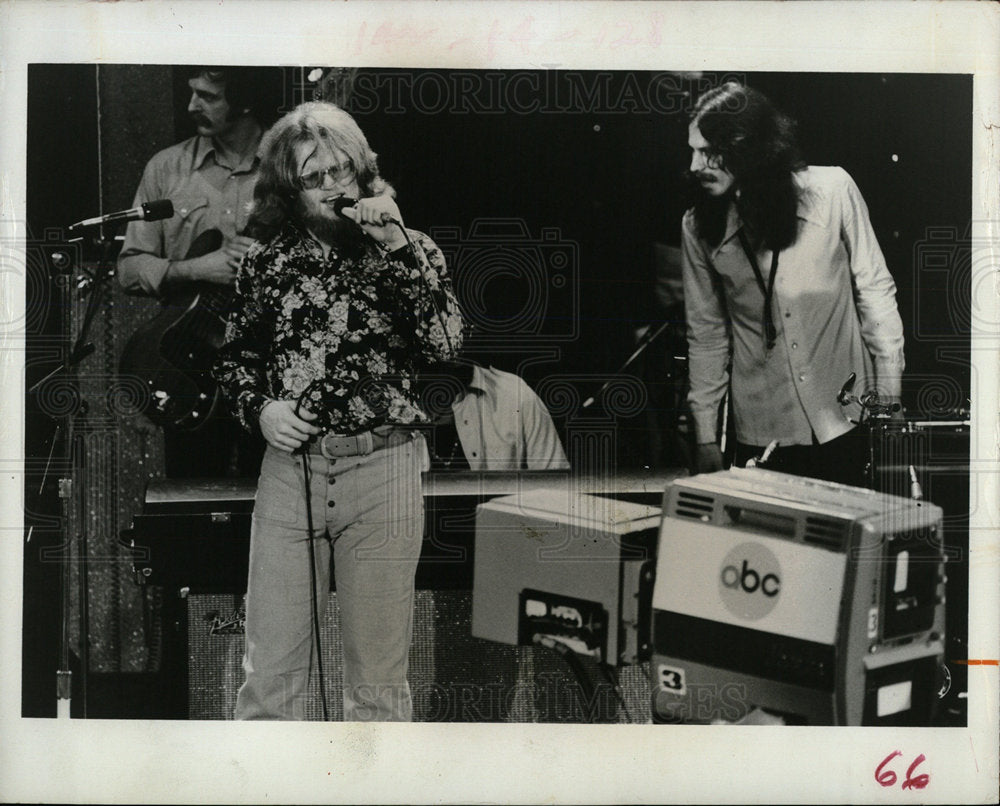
{"x":343,"y":202}
{"x":150,"y":211}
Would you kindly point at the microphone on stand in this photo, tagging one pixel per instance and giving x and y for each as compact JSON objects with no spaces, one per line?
{"x":150,"y":211}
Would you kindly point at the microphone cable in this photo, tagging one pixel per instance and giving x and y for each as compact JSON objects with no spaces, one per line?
{"x":588,"y":695}
{"x":611,"y":676}
{"x":307,"y":473}
{"x":344,"y":201}
{"x":430,"y":291}
{"x":313,"y":586}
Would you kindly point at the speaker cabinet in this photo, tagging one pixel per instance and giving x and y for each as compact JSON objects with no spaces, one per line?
{"x":454,"y":677}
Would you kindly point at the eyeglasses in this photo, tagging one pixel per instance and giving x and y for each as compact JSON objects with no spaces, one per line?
{"x":338,"y":174}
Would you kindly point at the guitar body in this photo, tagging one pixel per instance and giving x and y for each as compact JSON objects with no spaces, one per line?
{"x":172,"y":353}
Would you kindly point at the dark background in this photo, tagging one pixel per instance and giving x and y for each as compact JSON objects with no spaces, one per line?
{"x":599,"y":182}
{"x":606,"y":179}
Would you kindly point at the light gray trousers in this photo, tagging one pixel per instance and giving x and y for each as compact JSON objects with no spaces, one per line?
{"x":369,"y":511}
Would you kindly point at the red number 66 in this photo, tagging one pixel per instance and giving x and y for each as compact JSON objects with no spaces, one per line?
{"x":888,"y":777}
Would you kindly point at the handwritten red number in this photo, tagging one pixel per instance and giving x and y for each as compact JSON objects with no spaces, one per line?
{"x":887,"y":778}
{"x":921,"y":780}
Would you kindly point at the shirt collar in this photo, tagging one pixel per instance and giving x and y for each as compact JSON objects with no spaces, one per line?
{"x":478,"y":382}
{"x":301,"y":238}
{"x":204,"y":147}
{"x":733,"y":224}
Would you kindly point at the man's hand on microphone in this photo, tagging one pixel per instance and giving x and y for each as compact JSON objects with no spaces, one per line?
{"x":374,"y":215}
{"x":283,"y":429}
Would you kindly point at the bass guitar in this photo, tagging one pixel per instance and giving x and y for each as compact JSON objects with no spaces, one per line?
{"x":172,"y":353}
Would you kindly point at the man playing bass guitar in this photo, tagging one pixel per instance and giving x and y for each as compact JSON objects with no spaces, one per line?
{"x":189,"y":261}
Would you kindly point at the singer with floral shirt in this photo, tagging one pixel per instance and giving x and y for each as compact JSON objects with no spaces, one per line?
{"x":337,"y":309}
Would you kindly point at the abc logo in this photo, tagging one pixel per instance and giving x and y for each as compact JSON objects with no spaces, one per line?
{"x":750,"y":581}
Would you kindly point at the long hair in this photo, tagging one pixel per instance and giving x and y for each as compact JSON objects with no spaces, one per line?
{"x":756,"y":143}
{"x":276,"y":192}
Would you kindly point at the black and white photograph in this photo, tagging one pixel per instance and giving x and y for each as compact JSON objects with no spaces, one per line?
{"x":553,"y":396}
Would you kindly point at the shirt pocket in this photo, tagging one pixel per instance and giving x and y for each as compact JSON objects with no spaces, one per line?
{"x":190,"y":208}
{"x":192,"y":216}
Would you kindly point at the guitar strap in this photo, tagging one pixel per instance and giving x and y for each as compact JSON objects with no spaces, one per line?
{"x":770,"y":330}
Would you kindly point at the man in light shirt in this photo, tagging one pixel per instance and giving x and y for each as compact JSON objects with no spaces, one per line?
{"x":492,"y":421}
{"x":209,"y":179}
{"x":786,"y":294}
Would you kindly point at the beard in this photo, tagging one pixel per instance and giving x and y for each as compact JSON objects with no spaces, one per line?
{"x":346,"y":236}
{"x":710,"y":211}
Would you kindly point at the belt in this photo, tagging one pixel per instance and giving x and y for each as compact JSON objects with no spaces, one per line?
{"x":332,"y":445}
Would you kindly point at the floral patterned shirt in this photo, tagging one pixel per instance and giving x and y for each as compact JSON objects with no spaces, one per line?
{"x":346,"y":335}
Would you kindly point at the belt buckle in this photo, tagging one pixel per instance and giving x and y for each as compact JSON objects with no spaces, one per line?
{"x":366,"y":443}
{"x":357,"y":445}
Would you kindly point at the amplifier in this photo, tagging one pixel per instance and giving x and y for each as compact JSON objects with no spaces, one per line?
{"x":817,"y":600}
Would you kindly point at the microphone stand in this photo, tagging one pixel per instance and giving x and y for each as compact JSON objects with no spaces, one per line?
{"x":94,"y":286}
{"x":644,"y":342}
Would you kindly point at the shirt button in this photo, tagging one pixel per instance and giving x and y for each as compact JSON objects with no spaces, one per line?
{"x":788,"y":315}
{"x":332,"y":504}
{"x":794,"y":345}
{"x":229,"y":212}
{"x":333,"y":480}
{"x":802,"y":377}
